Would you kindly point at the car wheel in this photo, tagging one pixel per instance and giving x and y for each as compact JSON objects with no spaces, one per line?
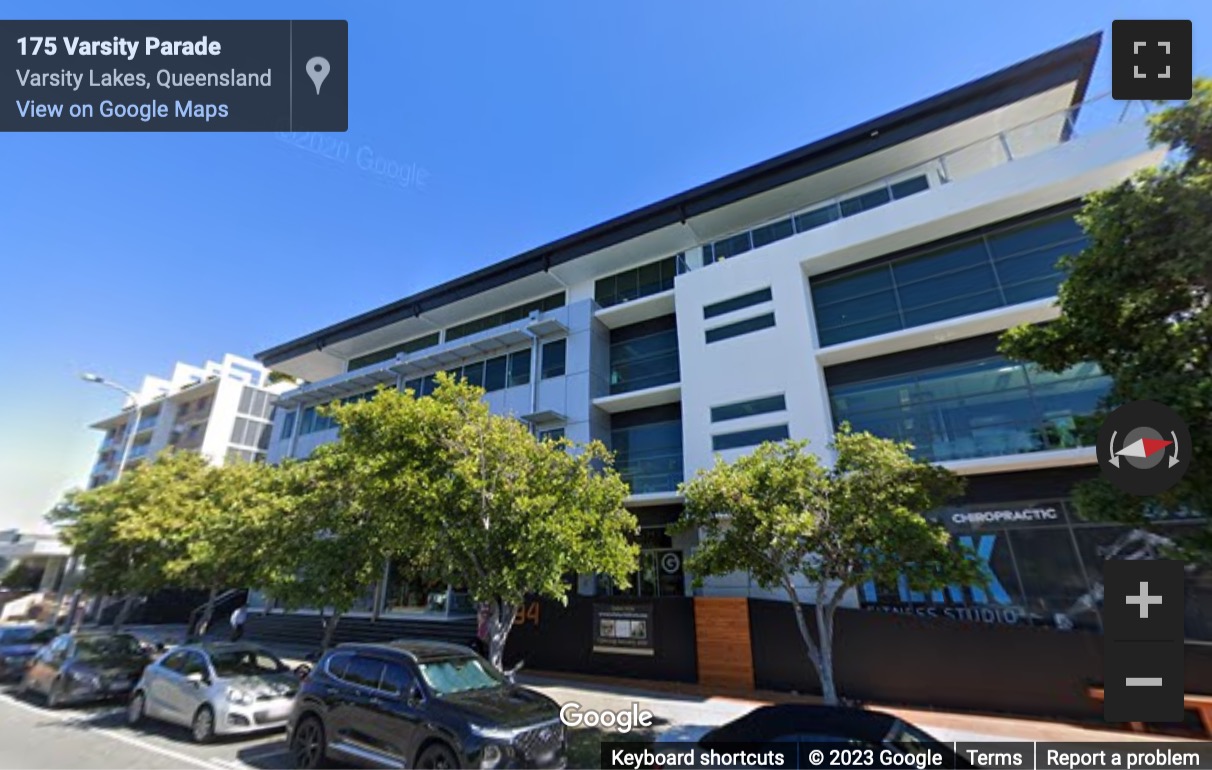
{"x":134,"y":709}
{"x":308,"y":746}
{"x":56,"y":694}
{"x":437,"y":757}
{"x":203,"y":726}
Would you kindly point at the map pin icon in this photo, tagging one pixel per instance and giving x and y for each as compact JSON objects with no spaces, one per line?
{"x":317,"y":70}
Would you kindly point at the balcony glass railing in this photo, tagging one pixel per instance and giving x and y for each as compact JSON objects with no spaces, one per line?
{"x":148,"y":424}
{"x":956,"y":164}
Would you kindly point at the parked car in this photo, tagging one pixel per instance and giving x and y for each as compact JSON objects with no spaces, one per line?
{"x":86,"y":666}
{"x":420,"y":704}
{"x":219,"y":688}
{"x":18,"y":646}
{"x":831,"y":724}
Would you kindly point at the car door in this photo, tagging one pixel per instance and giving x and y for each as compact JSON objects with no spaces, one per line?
{"x":190,"y":686}
{"x":159,"y":684}
{"x":393,"y":715}
{"x":349,"y":718}
{"x":48,"y":662}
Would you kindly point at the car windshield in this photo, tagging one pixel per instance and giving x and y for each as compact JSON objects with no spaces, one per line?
{"x":94,"y":647}
{"x":229,"y":663}
{"x":26,"y":635}
{"x":454,"y":675}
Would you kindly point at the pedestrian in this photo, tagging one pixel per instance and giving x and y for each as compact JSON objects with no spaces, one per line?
{"x":237,"y":622}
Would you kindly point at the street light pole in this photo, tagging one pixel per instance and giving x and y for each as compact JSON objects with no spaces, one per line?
{"x":126,"y":447}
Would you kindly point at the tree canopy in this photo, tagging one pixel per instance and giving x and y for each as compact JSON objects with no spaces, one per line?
{"x":787,"y":518}
{"x":1137,"y":302}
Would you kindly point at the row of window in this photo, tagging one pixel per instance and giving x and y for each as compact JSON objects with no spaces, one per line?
{"x":247,"y":432}
{"x":984,"y":271}
{"x":255,"y":402}
{"x":644,"y":355}
{"x":493,"y":374}
{"x":411,"y":346}
{"x":983,"y":407}
{"x":496,"y":373}
{"x":739,"y":409}
{"x":503,"y":317}
{"x":751,"y":437}
{"x":642,"y":281}
{"x":812,"y":219}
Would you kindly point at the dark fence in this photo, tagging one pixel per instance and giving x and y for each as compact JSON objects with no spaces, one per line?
{"x":911,"y":660}
{"x":559,"y":638}
{"x":307,"y":630}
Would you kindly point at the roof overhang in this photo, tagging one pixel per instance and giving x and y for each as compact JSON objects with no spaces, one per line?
{"x":671,"y":224}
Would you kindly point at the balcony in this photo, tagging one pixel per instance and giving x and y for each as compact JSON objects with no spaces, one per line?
{"x":147,"y":424}
{"x":956,"y":164}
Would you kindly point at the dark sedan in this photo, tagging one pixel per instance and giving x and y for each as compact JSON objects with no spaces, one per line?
{"x":86,"y":666}
{"x":18,"y":646}
{"x":851,"y":727}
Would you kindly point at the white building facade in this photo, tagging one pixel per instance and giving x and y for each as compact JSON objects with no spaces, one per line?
{"x":222,"y":409}
{"x":861,"y":278}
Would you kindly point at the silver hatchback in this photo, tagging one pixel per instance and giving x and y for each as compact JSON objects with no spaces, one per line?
{"x":216,"y":689}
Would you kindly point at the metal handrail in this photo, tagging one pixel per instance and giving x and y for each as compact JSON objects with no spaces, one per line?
{"x":940,"y":162}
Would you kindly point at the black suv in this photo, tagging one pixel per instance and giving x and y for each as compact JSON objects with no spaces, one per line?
{"x":420,"y":704}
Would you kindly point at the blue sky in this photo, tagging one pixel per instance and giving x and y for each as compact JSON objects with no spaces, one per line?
{"x":123,"y":253}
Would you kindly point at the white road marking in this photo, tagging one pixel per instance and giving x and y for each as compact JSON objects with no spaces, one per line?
{"x":82,"y":722}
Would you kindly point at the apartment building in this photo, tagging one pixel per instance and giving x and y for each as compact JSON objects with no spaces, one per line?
{"x":864,"y":277}
{"x":222,"y":409}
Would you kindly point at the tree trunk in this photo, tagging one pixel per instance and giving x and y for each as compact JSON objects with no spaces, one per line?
{"x":123,"y":614}
{"x":207,"y":614}
{"x":500,"y":623}
{"x":330,"y":629}
{"x":824,"y":627}
{"x":821,"y":656}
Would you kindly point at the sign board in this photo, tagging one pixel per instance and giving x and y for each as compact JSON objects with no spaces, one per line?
{"x":623,"y":629}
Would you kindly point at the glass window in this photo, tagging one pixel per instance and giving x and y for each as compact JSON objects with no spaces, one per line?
{"x":519,"y":367}
{"x":909,"y":186}
{"x":238,"y":429}
{"x":246,"y":398}
{"x":731,"y":247}
{"x":474,"y":374}
{"x":308,"y":423}
{"x":554,"y":434}
{"x":817,"y":217}
{"x":743,"y":438}
{"x":495,"y":370}
{"x":412,"y":346}
{"x":175,"y":661}
{"x":644,"y":355}
{"x":397,"y":679}
{"x":429,"y":383}
{"x":516,"y":313}
{"x":1013,"y":265}
{"x":980,"y":408}
{"x":748,"y":408}
{"x":414,"y":385}
{"x":736,"y":303}
{"x":364,"y":672}
{"x":776,"y":231}
{"x":553,"y":358}
{"x":245,"y":662}
{"x":740,"y":327}
{"x":338,"y":663}
{"x":648,"y":455}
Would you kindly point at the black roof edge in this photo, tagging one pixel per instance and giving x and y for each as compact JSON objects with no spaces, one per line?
{"x":1072,"y":61}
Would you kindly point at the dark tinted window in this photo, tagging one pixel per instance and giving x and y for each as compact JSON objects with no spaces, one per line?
{"x":736,"y":303}
{"x":519,"y":368}
{"x":396,"y":678}
{"x":748,"y":408}
{"x":337,"y":664}
{"x":194,"y":663}
{"x":494,"y":373}
{"x":363,"y":671}
{"x":740,"y":327}
{"x":554,"y":354}
{"x":175,"y":661}
{"x":817,"y":217}
{"x":744,"y":438}
{"x":474,"y":374}
{"x":770,"y":233}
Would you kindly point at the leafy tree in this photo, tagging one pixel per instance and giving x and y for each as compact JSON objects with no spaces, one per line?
{"x":479,"y":502}
{"x":1138,"y":302}
{"x":780,"y":513}
{"x":328,"y":548}
{"x":101,"y":526}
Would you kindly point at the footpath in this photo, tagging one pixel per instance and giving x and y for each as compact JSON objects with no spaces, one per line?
{"x":687,"y":711}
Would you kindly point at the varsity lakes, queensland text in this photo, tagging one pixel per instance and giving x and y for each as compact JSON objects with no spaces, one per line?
{"x":164,"y":78}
